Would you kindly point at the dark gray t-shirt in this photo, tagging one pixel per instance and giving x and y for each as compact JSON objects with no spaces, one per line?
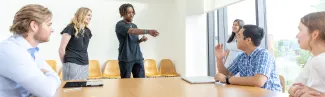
{"x":129,"y":48}
{"x":76,"y":50}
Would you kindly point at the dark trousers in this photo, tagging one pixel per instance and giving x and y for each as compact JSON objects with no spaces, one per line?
{"x":136,"y":67}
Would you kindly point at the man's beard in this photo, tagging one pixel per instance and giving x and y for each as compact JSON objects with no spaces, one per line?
{"x":38,"y":37}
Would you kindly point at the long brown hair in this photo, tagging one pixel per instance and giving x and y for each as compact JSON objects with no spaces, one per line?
{"x":241,"y":23}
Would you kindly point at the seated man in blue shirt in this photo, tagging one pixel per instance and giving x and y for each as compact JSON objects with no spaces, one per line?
{"x":23,"y":72}
{"x":256,"y":66}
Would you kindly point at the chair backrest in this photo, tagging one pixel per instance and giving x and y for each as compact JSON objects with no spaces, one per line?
{"x":112,"y":68}
{"x":94,"y":69}
{"x":52,"y":63}
{"x":150,"y":67}
{"x":167,"y":67}
{"x":283,"y":83}
{"x":60,"y":74}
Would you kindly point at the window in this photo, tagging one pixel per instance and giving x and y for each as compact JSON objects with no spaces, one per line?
{"x":244,"y":10}
{"x":216,"y":39}
{"x":282,"y":27}
{"x":223,"y":20}
{"x":212,"y":18}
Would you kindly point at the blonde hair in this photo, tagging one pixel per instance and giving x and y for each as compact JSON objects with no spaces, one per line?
{"x":79,"y":19}
{"x":27,"y":14}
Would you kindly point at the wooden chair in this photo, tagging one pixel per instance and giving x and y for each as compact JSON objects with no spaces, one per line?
{"x":167,"y":68}
{"x":150,"y":68}
{"x":94,"y":70}
{"x":60,"y":74}
{"x":112,"y":69}
{"x":283,"y":83}
{"x":52,"y":64}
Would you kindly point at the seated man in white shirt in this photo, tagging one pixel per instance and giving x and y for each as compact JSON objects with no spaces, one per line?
{"x":22,"y":72}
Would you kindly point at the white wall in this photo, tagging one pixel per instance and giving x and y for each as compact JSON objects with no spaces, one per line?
{"x":194,"y":7}
{"x":196,"y":38}
{"x":196,"y":45}
{"x":210,"y":5}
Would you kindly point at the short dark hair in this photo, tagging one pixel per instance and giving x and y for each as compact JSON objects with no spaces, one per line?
{"x":241,"y":23}
{"x":124,"y":8}
{"x":254,"y":32}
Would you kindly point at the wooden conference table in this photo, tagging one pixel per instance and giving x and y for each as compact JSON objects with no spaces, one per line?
{"x":163,"y":87}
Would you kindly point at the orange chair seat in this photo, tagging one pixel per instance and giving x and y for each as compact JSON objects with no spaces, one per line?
{"x":176,"y":75}
{"x":155,"y":75}
{"x":111,"y":76}
{"x":95,"y":77}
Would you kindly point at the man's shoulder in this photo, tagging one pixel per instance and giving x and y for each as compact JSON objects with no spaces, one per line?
{"x":262,"y":51}
{"x":265,"y":55}
{"x":135,"y":26}
{"x":121,"y":22}
{"x":8,"y":45}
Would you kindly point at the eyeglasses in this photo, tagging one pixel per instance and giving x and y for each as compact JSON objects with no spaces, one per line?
{"x":238,"y":36}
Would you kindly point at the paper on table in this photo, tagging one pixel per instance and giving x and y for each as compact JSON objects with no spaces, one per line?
{"x":219,"y":83}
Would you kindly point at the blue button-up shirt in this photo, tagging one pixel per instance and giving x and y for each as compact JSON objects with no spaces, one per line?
{"x":258,"y":62}
{"x":20,"y":70}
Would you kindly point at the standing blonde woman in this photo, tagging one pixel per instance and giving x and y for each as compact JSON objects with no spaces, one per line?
{"x":74,"y":44}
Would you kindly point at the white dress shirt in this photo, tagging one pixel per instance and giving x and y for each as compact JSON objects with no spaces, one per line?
{"x":313,"y":74}
{"x":20,"y":73}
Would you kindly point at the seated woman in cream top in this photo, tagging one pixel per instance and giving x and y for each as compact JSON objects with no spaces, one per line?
{"x":311,"y":37}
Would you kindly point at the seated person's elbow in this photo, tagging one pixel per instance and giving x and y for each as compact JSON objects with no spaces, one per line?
{"x":259,"y":84}
{"x":260,"y":80}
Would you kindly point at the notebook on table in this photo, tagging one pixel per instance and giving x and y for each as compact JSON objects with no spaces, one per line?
{"x":199,"y":79}
{"x":88,"y":83}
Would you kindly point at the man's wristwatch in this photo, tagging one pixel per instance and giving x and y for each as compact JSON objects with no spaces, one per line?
{"x":227,"y":79}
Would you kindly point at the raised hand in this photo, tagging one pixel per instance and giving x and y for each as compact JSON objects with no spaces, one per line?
{"x":219,"y":52}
